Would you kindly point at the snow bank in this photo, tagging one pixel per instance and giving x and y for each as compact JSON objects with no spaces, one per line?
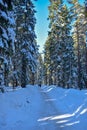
{"x":18,"y":108}
{"x":72,"y":104}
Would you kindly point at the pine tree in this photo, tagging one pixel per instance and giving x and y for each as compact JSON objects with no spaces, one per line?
{"x":79,"y":40}
{"x":60,"y":46}
{"x":85,"y":77}
{"x":26,"y":46}
{"x":6,"y":39}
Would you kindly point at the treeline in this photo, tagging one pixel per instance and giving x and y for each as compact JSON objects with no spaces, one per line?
{"x":65,"y":50}
{"x":18,"y":47}
{"x":64,"y":62}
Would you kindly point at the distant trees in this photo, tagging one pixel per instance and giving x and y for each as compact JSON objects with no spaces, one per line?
{"x":40,"y":70}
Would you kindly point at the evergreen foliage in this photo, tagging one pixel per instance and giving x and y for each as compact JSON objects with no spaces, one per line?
{"x":18,"y":47}
{"x":6,"y":39}
{"x":65,"y":54}
{"x":65,"y":51}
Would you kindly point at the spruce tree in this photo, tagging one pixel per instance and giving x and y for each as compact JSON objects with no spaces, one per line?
{"x":26,"y":46}
{"x":85,"y":77}
{"x":79,"y":41}
{"x":6,"y":39}
{"x":61,"y":51}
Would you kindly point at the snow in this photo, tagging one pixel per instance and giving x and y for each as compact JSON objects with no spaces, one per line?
{"x":1,"y":2}
{"x":73,"y":104}
{"x":11,"y":34}
{"x":4,"y":15}
{"x":4,"y":4}
{"x":4,"y":33}
{"x":43,"y":108}
{"x":1,"y":43}
{"x":11,"y":18}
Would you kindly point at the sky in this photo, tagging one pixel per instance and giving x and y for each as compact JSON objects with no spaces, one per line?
{"x":41,"y":29}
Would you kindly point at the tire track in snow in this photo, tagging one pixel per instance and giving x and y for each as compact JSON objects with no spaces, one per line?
{"x":47,"y":112}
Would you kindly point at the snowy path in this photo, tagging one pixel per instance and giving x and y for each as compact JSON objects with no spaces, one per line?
{"x":48,"y":110}
{"x":28,"y":109}
{"x":42,"y":115}
{"x":54,"y":117}
{"x":45,"y":108}
{"x":48,"y":113}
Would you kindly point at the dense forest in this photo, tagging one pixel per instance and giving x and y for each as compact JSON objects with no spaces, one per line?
{"x":65,"y":56}
{"x":64,"y":60}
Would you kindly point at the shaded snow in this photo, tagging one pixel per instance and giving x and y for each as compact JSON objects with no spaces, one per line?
{"x":45,"y":108}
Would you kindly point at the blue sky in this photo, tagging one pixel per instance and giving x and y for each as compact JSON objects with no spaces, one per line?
{"x":41,"y":7}
{"x":41,"y":28}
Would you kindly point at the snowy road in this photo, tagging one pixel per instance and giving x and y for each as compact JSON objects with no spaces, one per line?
{"x":47,"y":113}
{"x":45,"y":108}
{"x":28,"y":109}
{"x":54,"y":117}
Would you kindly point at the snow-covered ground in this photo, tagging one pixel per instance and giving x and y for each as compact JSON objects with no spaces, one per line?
{"x":45,"y":108}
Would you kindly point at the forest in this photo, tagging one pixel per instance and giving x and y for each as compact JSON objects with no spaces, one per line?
{"x":64,"y":60}
{"x":43,"y":90}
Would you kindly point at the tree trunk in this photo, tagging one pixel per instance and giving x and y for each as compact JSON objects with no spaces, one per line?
{"x":23,"y":73}
{"x":32,"y":79}
{"x":79,"y":63}
{"x":5,"y":75}
{"x":85,"y":78}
